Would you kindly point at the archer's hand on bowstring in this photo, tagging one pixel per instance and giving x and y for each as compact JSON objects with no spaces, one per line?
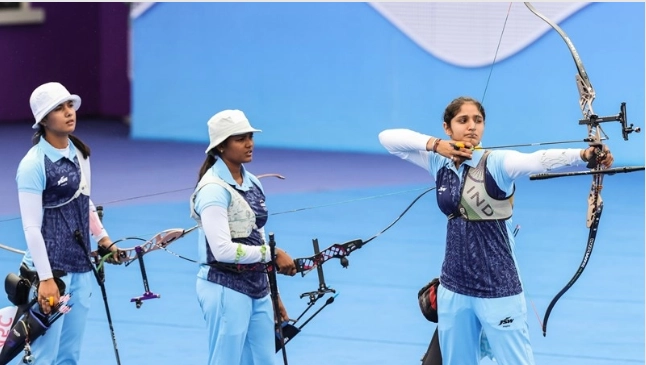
{"x":107,"y":245}
{"x":605,"y":157}
{"x":285,"y":263}
{"x":455,"y":151}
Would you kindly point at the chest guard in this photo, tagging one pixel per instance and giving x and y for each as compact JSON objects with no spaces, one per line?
{"x":475,"y":203}
{"x":241,"y":217}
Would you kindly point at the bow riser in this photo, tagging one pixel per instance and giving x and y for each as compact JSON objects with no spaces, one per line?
{"x":339,"y":251}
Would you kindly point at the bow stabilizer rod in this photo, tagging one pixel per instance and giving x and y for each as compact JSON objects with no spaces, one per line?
{"x":610,"y":171}
{"x":273,"y":289}
{"x":99,"y":275}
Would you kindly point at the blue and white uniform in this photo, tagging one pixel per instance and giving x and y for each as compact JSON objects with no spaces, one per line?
{"x":481,"y":290}
{"x":237,"y":307}
{"x":54,"y":196}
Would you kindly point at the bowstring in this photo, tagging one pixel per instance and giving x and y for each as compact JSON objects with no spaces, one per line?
{"x":312,"y":207}
{"x":143,"y":237}
{"x":146,"y":196}
{"x":504,"y":232}
{"x":512,"y":252}
{"x":326,"y":205}
{"x":271,"y":214}
{"x":495,"y":56}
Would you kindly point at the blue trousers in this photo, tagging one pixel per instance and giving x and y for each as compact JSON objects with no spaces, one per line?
{"x":240,"y":328}
{"x":462,"y":319}
{"x":61,"y":344}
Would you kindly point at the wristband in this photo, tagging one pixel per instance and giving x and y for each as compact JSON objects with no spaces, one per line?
{"x":435,"y":144}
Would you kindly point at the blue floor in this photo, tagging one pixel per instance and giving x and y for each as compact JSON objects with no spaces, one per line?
{"x":375,"y":318}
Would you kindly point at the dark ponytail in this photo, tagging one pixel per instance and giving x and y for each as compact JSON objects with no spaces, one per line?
{"x":85,"y":150}
{"x":211,"y":157}
{"x":39,"y":133}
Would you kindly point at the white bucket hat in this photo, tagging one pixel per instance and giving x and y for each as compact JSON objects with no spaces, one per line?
{"x":225,"y":124}
{"x":48,"y":96}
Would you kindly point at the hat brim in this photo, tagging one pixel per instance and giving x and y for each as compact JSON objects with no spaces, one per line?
{"x":216,"y":142}
{"x":74,"y":98}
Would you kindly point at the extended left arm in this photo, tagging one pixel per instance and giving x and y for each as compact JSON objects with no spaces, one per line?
{"x":517,"y":164}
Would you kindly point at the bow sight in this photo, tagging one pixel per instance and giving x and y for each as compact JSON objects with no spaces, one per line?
{"x":593,"y":121}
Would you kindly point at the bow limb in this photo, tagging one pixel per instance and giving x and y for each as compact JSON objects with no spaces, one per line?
{"x":158,"y":241}
{"x":278,"y":176}
{"x":342,"y":250}
{"x":127,"y":255}
{"x":586,"y":91}
{"x":11,"y":249}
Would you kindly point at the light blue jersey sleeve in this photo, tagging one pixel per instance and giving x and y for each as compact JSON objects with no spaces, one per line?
{"x":496,"y":167}
{"x":30,"y":176}
{"x":212,"y":195}
{"x":435,"y":163}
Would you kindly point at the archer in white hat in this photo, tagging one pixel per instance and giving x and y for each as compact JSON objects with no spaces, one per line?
{"x":229,"y":206}
{"x":59,"y":219}
{"x":225,"y":124}
{"x":48,"y":96}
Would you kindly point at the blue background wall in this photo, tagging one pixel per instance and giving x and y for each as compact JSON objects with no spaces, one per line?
{"x":331,"y":76}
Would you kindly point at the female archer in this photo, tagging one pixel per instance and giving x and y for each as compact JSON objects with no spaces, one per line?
{"x":58,"y":218}
{"x":229,"y":206}
{"x":480,"y":288}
